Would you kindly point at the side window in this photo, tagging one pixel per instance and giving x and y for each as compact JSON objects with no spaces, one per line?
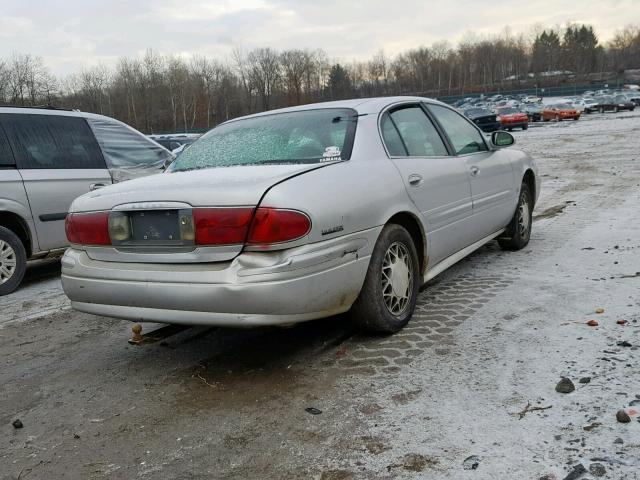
{"x":391,"y":138}
{"x":52,"y":141}
{"x":420,"y":137}
{"x":6,"y":155}
{"x":125,"y":148}
{"x":463,"y":135}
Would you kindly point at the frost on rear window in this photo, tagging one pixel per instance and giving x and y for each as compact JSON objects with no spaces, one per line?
{"x":282,"y":138}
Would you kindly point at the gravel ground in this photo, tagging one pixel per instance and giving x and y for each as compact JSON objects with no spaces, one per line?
{"x":466,"y":391}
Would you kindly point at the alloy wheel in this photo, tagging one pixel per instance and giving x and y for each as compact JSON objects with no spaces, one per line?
{"x":524,"y":219}
{"x":7,"y":262}
{"x":397,"y":279}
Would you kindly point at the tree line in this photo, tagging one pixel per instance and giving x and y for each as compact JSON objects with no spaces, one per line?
{"x":161,"y":93}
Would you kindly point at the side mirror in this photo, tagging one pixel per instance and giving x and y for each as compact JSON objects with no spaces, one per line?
{"x":502,"y":139}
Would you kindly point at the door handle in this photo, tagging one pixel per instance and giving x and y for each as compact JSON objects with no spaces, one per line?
{"x":415,"y":180}
{"x":474,"y":171}
{"x":95,"y":186}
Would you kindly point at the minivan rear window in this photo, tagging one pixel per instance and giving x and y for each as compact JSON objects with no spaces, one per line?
{"x":309,"y":136}
{"x":52,"y":142}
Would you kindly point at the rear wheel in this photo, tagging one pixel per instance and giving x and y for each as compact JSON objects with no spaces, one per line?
{"x":13,"y":261}
{"x":388,"y":296}
{"x":518,"y":232}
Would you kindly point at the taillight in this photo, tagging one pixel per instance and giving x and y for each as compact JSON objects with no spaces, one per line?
{"x":273,"y":225}
{"x":88,"y":228}
{"x":221,"y":226}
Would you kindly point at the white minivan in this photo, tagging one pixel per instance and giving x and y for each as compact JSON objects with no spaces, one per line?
{"x":48,"y":157}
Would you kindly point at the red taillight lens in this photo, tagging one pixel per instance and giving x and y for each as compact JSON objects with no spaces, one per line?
{"x":221,"y":226}
{"x":272,"y":225}
{"x":88,"y":228}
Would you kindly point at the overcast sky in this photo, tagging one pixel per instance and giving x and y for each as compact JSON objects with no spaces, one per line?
{"x":70,"y":34}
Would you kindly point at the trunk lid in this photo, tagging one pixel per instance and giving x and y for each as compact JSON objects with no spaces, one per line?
{"x":176,"y":193}
{"x":213,"y":187}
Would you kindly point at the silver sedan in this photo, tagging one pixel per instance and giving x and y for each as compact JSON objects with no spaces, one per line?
{"x":301,"y":213}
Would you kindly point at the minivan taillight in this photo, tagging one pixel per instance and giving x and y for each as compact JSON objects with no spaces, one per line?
{"x":88,"y":228}
{"x":221,"y":226}
{"x":274,"y":225}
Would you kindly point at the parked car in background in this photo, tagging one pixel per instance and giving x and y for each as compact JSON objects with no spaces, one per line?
{"x":301,"y":213}
{"x":531,"y":99}
{"x":533,"y":111}
{"x":175,"y":142}
{"x":559,"y":112}
{"x":586,"y":105}
{"x":633,"y":96}
{"x":49,"y":157}
{"x":511,"y":118}
{"x":606,"y":103}
{"x":623,"y":103}
{"x":483,"y":118}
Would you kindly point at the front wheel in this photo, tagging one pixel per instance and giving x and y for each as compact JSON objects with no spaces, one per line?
{"x":518,"y":232}
{"x":388,"y":296}
{"x":13,"y":261}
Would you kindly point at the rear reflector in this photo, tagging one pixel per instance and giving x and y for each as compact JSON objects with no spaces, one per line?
{"x":221,"y":226}
{"x":88,"y":228}
{"x":272,"y":225}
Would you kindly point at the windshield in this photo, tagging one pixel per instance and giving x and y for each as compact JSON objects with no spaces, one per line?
{"x":476,"y":112}
{"x":310,"y":136}
{"x":563,"y":106}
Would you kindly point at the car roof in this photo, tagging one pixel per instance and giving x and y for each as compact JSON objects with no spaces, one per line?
{"x":52,"y":111}
{"x":362,"y":106}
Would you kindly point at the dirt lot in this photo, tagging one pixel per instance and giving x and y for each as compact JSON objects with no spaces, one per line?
{"x":444,"y":399}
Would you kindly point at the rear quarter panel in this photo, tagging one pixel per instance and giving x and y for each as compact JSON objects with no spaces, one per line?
{"x":344,"y":198}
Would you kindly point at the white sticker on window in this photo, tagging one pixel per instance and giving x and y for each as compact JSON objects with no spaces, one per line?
{"x":331,"y":153}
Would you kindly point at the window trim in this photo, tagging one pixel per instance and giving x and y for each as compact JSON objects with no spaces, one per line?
{"x":444,"y":132}
{"x":408,"y":104}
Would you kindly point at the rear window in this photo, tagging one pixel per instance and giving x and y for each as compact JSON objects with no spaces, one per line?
{"x":52,"y":142}
{"x":310,"y":136}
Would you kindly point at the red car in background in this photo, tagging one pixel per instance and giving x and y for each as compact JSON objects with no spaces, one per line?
{"x":559,"y":112}
{"x":510,"y":118}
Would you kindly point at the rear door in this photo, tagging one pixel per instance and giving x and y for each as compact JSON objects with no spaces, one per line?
{"x":59,"y":160}
{"x":490,"y":172}
{"x":436,"y":181}
{"x":128,"y":153}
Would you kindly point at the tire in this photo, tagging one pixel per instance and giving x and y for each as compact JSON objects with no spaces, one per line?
{"x":558,"y":118}
{"x":518,"y":232}
{"x":601,"y":110}
{"x":616,"y":110}
{"x":378,"y":308}
{"x":525,"y":127}
{"x":13,"y":261}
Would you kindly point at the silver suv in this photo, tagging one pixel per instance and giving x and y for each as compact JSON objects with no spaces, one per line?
{"x":48,"y":157}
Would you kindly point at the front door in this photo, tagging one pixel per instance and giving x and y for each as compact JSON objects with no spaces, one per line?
{"x":437,"y":182}
{"x":490,"y":172}
{"x":59,"y":160}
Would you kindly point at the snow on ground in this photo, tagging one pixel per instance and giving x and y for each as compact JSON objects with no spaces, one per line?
{"x":491,"y":336}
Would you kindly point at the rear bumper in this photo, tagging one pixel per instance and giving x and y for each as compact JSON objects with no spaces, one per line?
{"x":256,"y":288}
